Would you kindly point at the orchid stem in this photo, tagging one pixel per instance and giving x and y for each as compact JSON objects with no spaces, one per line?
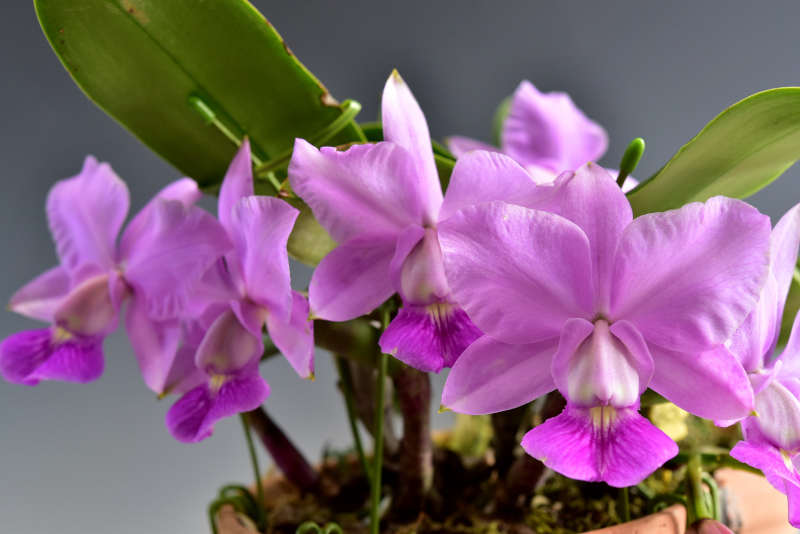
{"x":347,"y":389}
{"x":696,"y":498}
{"x":624,"y":505}
{"x":377,"y":461}
{"x":262,"y":513}
{"x":713,"y":489}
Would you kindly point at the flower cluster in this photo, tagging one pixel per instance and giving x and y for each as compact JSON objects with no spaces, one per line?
{"x":198,"y":292}
{"x":529,"y":274}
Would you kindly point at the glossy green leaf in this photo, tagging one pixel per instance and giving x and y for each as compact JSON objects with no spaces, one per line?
{"x":499,"y":120}
{"x":188,"y":77}
{"x":743,"y":149}
{"x":373,"y":131}
{"x":444,"y":166}
{"x":309,"y":242}
{"x":791,"y":309}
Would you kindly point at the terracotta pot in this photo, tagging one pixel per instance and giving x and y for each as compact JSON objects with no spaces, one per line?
{"x":763,"y":509}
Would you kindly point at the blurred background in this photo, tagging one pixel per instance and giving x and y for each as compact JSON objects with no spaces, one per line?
{"x":97,"y":458}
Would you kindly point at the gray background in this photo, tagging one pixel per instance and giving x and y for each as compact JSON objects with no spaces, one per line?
{"x":96,"y":458}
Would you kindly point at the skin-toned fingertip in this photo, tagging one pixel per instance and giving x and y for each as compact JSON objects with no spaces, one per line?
{"x":443,"y":409}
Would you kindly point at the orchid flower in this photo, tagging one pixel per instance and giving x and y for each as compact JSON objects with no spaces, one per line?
{"x":546,"y":133}
{"x":772,"y":434}
{"x":248,"y":288}
{"x":160,"y":258}
{"x":382,"y":203}
{"x":601,"y":306}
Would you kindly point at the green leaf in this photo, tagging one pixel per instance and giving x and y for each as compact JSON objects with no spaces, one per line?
{"x":791,"y":309}
{"x":499,"y":119}
{"x":308,"y":242}
{"x":743,"y":149}
{"x":445,"y":168}
{"x":373,"y":131}
{"x":188,"y":77}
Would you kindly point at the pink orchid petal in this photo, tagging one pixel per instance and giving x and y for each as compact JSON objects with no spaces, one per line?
{"x":518,"y":273}
{"x":215,"y":287}
{"x":790,"y":357}
{"x":763,"y":456}
{"x":459,"y":145}
{"x":620,"y":448}
{"x":630,"y":181}
{"x":85,"y":214}
{"x":404,"y":124}
{"x":184,"y":191}
{"x":687,"y":278}
{"x":429,"y":338}
{"x":176,"y":247}
{"x":90,"y":309}
{"x":406,"y":241}
{"x":492,"y":376}
{"x":712,"y":385}
{"x":548,"y":127}
{"x":778,"y":417}
{"x":353,"y":279}
{"x":793,"y":495}
{"x":785,"y":245}
{"x":260,"y":228}
{"x":480,"y":177}
{"x":598,"y":365}
{"x":418,"y":274}
{"x":641,"y":359}
{"x":752,"y":341}
{"x":192,"y":418}
{"x":47,"y":354}
{"x":597,"y":205}
{"x":573,"y":334}
{"x":39,"y":298}
{"x":365,"y":189}
{"x":250,"y":315}
{"x":184,"y":375}
{"x":155,"y":344}
{"x":237,"y":184}
{"x":295,"y":338}
{"x":228,"y":346}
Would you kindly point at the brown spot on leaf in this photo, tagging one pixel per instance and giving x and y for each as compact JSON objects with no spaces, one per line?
{"x":61,"y":30}
{"x":136,"y":9}
{"x":288,"y":50}
{"x":328,"y":100}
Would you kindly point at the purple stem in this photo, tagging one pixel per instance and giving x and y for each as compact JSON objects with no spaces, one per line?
{"x":287,"y":458}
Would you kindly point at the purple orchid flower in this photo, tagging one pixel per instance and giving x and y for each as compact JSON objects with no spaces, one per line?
{"x":246,"y":289}
{"x":772,"y":437}
{"x":547,"y":134}
{"x":381,"y":202}
{"x":601,"y":306}
{"x":160,"y":258}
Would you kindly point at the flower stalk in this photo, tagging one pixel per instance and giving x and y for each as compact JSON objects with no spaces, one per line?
{"x":696,"y":495}
{"x":346,"y":385}
{"x":262,"y":513}
{"x":287,"y":458}
{"x":377,"y":463}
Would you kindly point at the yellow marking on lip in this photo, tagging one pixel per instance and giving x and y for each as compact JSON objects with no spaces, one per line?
{"x":60,"y":335}
{"x":216,"y":382}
